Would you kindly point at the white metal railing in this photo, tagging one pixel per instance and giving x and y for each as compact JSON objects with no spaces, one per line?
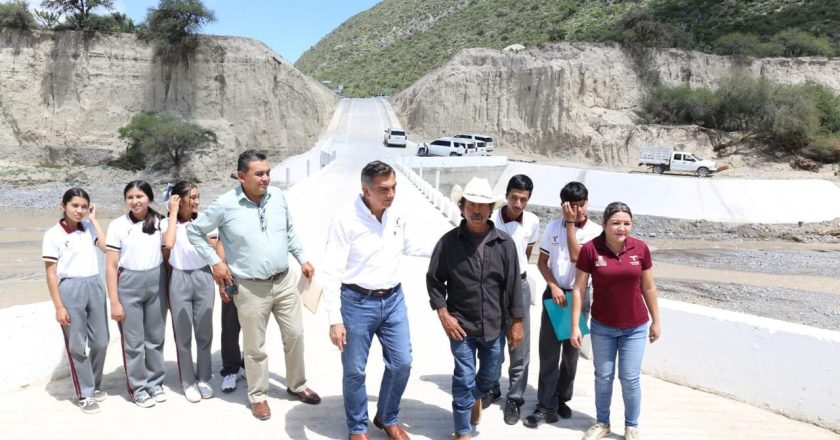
{"x":441,"y":202}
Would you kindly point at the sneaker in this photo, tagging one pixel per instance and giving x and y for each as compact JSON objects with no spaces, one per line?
{"x":99,"y":395}
{"x":564,"y":411}
{"x":475,"y":413}
{"x":241,"y":373}
{"x":538,"y":418}
{"x":492,"y":396}
{"x":597,"y":431}
{"x":511,"y":412}
{"x":229,"y":383}
{"x":144,"y":401}
{"x":159,"y":395}
{"x":89,"y":405}
{"x":192,"y":394}
{"x":205,"y":389}
{"x":631,"y":433}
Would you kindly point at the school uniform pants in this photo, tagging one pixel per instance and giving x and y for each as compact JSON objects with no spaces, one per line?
{"x":231,"y":353}
{"x":142,"y":295}
{"x":191,"y":295}
{"x":520,"y":357}
{"x":84,"y":299}
{"x":256,"y":302}
{"x":557,"y":373}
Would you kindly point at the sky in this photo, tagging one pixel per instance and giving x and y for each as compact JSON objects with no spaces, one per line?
{"x":289,"y":27}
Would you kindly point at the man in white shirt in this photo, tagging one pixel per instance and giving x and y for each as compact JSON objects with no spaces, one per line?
{"x":363,"y":298}
{"x":559,"y":251}
{"x":524,"y":228}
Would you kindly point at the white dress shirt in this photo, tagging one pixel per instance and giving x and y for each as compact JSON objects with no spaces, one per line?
{"x":363,"y":251}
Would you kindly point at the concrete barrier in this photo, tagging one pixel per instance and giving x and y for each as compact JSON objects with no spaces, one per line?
{"x":688,"y":197}
{"x":789,"y":368}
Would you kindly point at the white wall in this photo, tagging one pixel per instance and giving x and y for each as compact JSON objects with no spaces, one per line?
{"x":789,"y":368}
{"x":688,"y":197}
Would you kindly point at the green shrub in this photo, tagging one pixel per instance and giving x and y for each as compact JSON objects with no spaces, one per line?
{"x":173,"y":26}
{"x":78,"y":12}
{"x":791,"y":119}
{"x":797,"y":43}
{"x":15,"y":14}
{"x":738,"y":44}
{"x":802,"y":119}
{"x":116,"y":22}
{"x":163,"y":141}
{"x":741,"y":102}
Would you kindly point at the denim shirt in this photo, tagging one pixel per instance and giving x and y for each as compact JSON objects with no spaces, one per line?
{"x":480,"y":295}
{"x":257,"y":239}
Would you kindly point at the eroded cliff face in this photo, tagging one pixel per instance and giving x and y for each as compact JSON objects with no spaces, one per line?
{"x":579,"y":101}
{"x":64,"y":95}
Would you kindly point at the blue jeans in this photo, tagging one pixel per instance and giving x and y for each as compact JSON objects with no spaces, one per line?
{"x":629,"y":343}
{"x":469,"y":385}
{"x":386,"y":317}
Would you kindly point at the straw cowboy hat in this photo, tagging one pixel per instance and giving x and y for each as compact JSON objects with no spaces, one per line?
{"x":478,"y":190}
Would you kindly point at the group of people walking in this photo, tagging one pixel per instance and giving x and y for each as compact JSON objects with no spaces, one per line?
{"x":477,"y":285}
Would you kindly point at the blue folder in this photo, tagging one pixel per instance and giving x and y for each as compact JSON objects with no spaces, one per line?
{"x":561,"y":318}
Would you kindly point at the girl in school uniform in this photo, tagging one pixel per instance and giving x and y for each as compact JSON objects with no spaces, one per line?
{"x":137,"y":289}
{"x":191,"y":294}
{"x":72,"y":266}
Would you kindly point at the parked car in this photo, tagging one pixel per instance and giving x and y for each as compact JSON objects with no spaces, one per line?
{"x":395,"y":136}
{"x":451,"y":147}
{"x":661,"y":159}
{"x":491,"y":145}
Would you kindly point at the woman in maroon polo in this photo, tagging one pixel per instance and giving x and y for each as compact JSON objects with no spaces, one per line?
{"x":624,"y":293}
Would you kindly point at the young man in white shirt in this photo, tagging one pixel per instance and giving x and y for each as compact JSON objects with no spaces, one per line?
{"x":559,"y":251}
{"x":524,"y":228}
{"x":364,"y":297}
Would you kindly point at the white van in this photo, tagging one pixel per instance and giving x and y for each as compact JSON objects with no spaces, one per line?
{"x":450,"y":147}
{"x":395,"y":136}
{"x":479,"y":137}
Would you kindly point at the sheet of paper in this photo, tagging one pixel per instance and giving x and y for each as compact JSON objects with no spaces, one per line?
{"x":310,"y":293}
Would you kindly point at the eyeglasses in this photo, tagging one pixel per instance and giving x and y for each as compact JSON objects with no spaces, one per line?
{"x":263,"y":221}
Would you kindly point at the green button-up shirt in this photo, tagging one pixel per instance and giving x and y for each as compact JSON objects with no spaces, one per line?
{"x":257,"y":239}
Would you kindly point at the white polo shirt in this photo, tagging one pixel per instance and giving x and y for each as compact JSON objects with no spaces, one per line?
{"x":73,"y":250}
{"x":362,"y":251}
{"x":555,"y":245}
{"x":183,"y":255}
{"x":524,"y":234}
{"x":138,"y":250}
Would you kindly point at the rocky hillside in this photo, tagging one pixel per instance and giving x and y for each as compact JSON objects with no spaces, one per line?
{"x":396,"y":42}
{"x":64,"y":95}
{"x":578,"y":101}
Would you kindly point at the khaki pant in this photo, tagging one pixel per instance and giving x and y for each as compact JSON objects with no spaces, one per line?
{"x":255,"y":302}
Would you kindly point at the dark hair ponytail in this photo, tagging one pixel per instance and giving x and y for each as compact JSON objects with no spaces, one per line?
{"x":150,"y":222}
{"x":74,"y":192}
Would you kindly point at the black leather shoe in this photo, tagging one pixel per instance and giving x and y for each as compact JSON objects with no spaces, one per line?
{"x":564,"y":411}
{"x":538,"y":418}
{"x":511,"y":412}
{"x":492,"y":396}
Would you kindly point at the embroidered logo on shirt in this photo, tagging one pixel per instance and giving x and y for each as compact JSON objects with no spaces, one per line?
{"x":634,"y":260}
{"x":555,"y":239}
{"x":600,"y":262}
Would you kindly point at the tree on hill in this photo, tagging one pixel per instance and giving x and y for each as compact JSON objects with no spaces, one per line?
{"x":163,"y":142}
{"x":15,"y":14}
{"x":173,"y":26}
{"x":78,"y":12}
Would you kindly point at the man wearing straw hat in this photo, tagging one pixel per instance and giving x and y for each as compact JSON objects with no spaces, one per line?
{"x":473,"y":284}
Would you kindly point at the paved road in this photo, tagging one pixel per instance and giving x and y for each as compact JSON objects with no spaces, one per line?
{"x":45,"y":411}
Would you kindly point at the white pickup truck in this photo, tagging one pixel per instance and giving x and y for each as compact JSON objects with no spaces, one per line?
{"x":661,"y":159}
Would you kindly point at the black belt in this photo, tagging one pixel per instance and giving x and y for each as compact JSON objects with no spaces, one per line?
{"x":274,"y":277}
{"x":375,"y":292}
{"x":524,"y":275}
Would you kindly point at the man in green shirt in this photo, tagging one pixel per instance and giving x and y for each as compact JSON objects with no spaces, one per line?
{"x":257,"y":234}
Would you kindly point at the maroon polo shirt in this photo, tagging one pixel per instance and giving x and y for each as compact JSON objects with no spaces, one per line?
{"x":616,"y":281}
